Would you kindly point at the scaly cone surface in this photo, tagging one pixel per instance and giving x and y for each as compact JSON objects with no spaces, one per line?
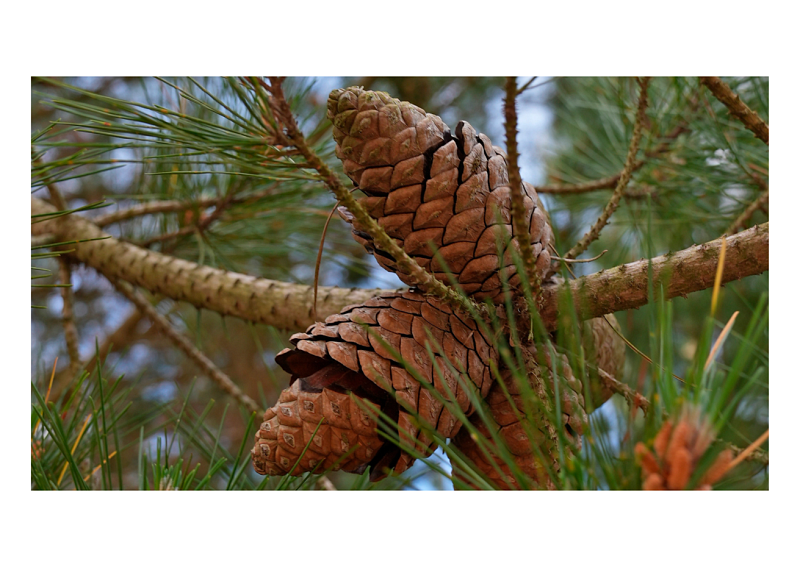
{"x":432,"y":191}
{"x":358,"y":351}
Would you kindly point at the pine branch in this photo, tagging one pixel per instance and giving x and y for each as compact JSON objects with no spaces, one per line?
{"x":173,"y":206}
{"x":280,"y":304}
{"x":521,"y":229}
{"x":67,"y":318}
{"x":424,"y":279}
{"x":212,"y":371}
{"x":680,"y":273}
{"x":742,"y":220}
{"x":737,"y":107}
{"x":64,"y":276}
{"x":289,"y":306}
{"x":627,"y":171}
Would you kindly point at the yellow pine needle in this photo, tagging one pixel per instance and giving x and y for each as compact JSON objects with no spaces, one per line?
{"x":74,"y":446}
{"x":718,"y":277}
{"x":751,"y":448}
{"x":721,"y":339}
{"x":94,"y":470}
{"x":46,"y":396}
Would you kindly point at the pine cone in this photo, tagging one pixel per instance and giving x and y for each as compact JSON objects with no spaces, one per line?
{"x":504,"y":421}
{"x":425,"y":186}
{"x":678,"y":450}
{"x":345,"y":355}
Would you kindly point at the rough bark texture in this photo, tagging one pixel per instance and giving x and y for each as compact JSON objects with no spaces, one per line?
{"x":281,"y":304}
{"x":289,"y":306}
{"x":737,"y":108}
{"x":681,"y":273}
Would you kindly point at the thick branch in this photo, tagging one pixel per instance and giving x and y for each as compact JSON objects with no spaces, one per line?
{"x":281,"y":304}
{"x":693,"y":269}
{"x":289,"y":306}
{"x":737,"y":108}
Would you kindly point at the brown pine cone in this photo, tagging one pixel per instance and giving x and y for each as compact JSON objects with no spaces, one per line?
{"x":678,"y":449}
{"x":504,"y":421}
{"x":345,"y":355}
{"x":424,"y":185}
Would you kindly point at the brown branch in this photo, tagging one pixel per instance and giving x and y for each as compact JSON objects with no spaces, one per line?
{"x":743,"y":219}
{"x":64,"y":275}
{"x":289,"y":306}
{"x":611,"y":182}
{"x":627,"y":171}
{"x":737,"y":108}
{"x":172,"y":206}
{"x":515,"y":182}
{"x":280,"y":304}
{"x":222,"y":380}
{"x":680,"y":273}
{"x":423,"y":279}
{"x":67,"y":318}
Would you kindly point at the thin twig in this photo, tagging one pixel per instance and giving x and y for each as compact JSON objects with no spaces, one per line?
{"x":67,"y":317}
{"x":737,"y":108}
{"x":637,"y":400}
{"x":627,"y":171}
{"x":64,"y":276}
{"x":426,"y":281}
{"x":183,"y":343}
{"x":743,"y":219}
{"x":611,"y":182}
{"x":521,"y":229}
{"x":202,"y":224}
{"x":173,"y":206}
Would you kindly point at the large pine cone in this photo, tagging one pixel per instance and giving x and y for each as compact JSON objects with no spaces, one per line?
{"x":345,"y":354}
{"x":425,"y":186}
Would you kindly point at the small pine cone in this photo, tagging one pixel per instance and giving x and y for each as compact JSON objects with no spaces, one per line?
{"x":506,"y":424}
{"x":425,"y":186}
{"x":678,"y":449}
{"x":348,"y":354}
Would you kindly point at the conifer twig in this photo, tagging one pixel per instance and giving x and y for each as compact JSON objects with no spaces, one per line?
{"x":737,"y":107}
{"x":612,"y":181}
{"x":747,"y":214}
{"x":64,"y":276}
{"x":627,"y":171}
{"x":67,"y":316}
{"x":521,"y":229}
{"x":212,"y":371}
{"x":424,"y":279}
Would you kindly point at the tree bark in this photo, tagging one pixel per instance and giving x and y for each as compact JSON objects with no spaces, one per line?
{"x":281,"y":304}
{"x":289,"y":306}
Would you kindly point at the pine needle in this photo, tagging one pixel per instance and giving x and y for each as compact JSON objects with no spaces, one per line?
{"x":723,"y":335}
{"x":750,"y":449}
{"x":718,"y":277}
{"x":74,"y":446}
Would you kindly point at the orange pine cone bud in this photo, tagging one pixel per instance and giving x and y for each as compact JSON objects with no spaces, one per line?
{"x":679,"y":449}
